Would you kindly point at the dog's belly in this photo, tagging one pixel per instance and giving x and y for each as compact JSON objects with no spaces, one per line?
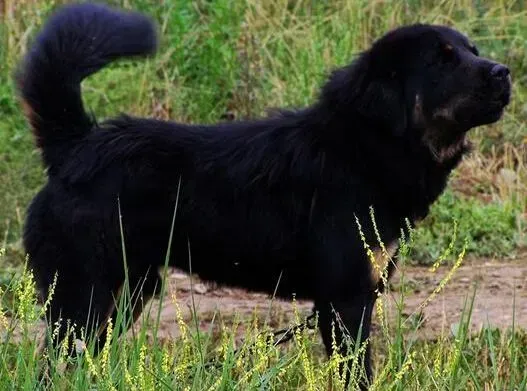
{"x":259,"y":271}
{"x":253,"y":246}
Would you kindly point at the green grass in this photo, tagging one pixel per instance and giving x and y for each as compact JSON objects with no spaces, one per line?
{"x":491,"y":230}
{"x":234,"y":353}
{"x":234,"y":59}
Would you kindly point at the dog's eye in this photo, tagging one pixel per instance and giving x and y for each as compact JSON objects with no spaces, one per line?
{"x":448,"y":50}
{"x":448,"y":54}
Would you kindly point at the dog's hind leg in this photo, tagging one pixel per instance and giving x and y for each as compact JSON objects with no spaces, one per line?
{"x":84,"y":292}
{"x":86,"y":302}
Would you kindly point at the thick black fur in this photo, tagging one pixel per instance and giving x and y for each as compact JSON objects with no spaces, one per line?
{"x":258,"y":199}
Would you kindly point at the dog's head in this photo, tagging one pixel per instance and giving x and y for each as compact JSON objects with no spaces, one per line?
{"x":423,"y":82}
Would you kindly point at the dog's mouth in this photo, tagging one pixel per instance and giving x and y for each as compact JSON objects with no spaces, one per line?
{"x":503,"y":99}
{"x":495,"y":108}
{"x":502,"y":95}
{"x":485,"y":111}
{"x":445,"y":144}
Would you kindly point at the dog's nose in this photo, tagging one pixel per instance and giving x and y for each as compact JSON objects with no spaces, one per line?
{"x":499,"y":71}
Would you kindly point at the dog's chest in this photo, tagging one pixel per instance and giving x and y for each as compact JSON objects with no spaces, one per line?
{"x":380,"y":259}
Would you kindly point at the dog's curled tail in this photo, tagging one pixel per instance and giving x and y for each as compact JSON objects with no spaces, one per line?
{"x":77,"y":41}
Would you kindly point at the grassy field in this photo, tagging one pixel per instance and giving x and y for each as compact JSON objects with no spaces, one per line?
{"x":229,"y":59}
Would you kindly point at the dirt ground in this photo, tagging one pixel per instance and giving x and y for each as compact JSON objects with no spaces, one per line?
{"x":498,"y":284}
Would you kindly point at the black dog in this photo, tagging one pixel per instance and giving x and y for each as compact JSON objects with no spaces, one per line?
{"x":260,"y":203}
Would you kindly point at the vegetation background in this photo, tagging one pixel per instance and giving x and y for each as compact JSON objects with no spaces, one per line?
{"x":230,"y":59}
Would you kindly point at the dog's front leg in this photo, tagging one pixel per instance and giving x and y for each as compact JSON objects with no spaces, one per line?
{"x":350,"y":321}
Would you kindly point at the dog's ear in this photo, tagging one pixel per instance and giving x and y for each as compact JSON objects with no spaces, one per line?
{"x":383,"y":102}
{"x":372,"y":92}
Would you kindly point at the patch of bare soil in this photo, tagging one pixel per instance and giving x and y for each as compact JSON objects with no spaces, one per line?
{"x":499,"y":290}
{"x":501,"y":294}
